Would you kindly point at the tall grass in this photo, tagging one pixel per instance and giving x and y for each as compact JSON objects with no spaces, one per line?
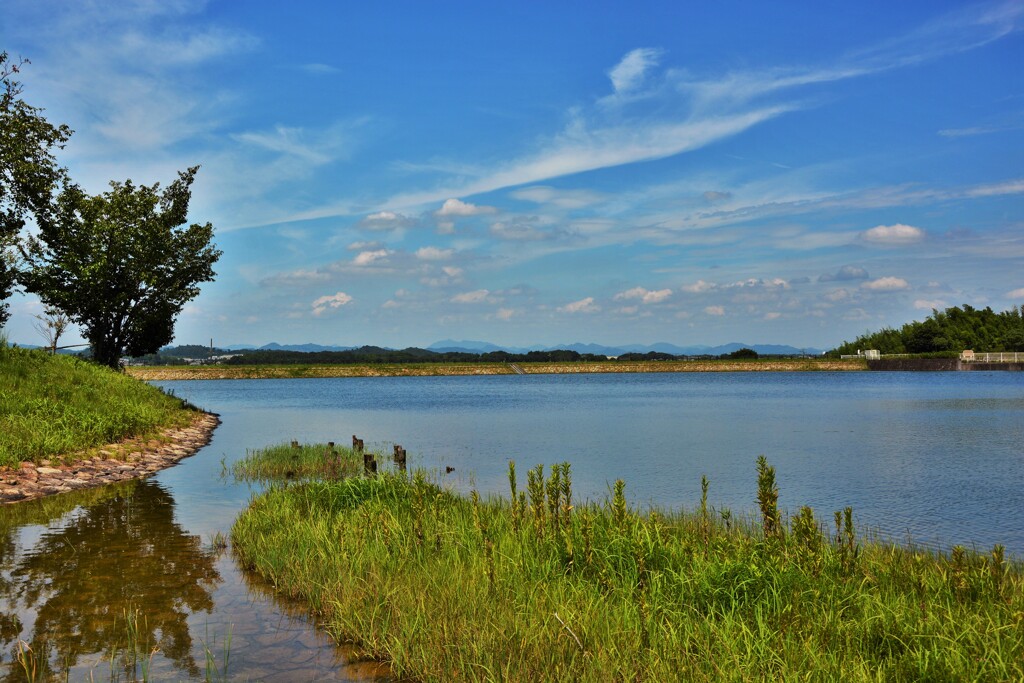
{"x":536,"y":587}
{"x":52,"y":405}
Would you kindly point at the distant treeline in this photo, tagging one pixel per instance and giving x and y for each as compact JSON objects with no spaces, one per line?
{"x":375,"y":354}
{"x":949,"y":331}
{"x":371,"y":355}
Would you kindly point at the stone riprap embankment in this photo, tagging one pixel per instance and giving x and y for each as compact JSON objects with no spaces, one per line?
{"x":131,"y":459}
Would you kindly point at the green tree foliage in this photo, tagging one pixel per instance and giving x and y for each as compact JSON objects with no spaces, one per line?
{"x":28,"y":171}
{"x":951,"y":330}
{"x":741,"y":354}
{"x":120,"y":264}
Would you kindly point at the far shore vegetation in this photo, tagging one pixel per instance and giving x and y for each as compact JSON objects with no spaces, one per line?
{"x":284,"y":371}
{"x":540,"y":586}
{"x":53,"y":406}
{"x":947,"y":332}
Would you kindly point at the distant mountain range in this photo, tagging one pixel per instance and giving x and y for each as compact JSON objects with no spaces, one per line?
{"x":273,"y":346}
{"x":467,"y":346}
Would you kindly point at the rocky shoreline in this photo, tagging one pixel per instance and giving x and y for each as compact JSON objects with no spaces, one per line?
{"x":130,"y":459}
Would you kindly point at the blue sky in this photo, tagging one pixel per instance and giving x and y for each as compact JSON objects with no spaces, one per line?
{"x":543,"y":173}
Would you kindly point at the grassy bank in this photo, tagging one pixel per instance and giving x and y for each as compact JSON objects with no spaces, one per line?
{"x":58,"y":405}
{"x":534,"y":587}
{"x":155,"y":373}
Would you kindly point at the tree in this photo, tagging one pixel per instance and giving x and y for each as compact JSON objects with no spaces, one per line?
{"x":51,"y":326}
{"x":120,"y":264}
{"x":28,"y":171}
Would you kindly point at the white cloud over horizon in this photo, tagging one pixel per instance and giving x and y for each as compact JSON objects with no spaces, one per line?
{"x":330,"y":302}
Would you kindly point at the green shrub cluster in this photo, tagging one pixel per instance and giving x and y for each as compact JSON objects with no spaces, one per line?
{"x":947,"y":332}
{"x":52,"y":405}
{"x":536,"y":587}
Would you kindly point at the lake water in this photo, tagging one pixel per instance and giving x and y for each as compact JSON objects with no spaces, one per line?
{"x":934,"y":457}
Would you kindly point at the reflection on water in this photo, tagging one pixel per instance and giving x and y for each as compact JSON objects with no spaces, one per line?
{"x":70,"y":587}
{"x":105,"y":584}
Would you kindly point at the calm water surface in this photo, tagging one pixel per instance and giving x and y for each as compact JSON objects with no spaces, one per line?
{"x":934,"y":457}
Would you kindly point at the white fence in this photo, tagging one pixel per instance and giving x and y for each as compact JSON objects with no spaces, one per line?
{"x":1001,"y":357}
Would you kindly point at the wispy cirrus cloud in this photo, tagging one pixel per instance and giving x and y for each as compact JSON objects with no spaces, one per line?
{"x":628,"y":75}
{"x":665,"y":112}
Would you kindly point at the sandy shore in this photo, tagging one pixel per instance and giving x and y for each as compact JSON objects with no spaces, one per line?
{"x":130,"y":459}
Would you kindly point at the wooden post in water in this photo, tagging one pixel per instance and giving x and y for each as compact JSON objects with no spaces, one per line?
{"x":400,"y":458}
{"x":369,"y":465}
{"x":295,"y":444}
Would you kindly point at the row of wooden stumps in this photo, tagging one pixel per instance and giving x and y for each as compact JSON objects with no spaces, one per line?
{"x":370,"y":462}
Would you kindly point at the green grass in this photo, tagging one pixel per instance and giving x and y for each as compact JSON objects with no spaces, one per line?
{"x":307,"y":461}
{"x":56,"y":405}
{"x":534,"y":587}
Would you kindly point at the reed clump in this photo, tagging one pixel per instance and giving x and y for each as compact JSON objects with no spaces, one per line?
{"x":542,"y":587}
{"x":294,"y":461}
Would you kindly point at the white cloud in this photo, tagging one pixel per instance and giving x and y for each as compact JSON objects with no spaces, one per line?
{"x":386,"y":220}
{"x":886,"y":284}
{"x":715,"y":310}
{"x":365,"y":258}
{"x":330,"y":302}
{"x":774,"y":283}
{"x":456,"y":207}
{"x":996,"y":189}
{"x":645,"y":295}
{"x":475,"y":297}
{"x":844,"y":274}
{"x":562,"y":199}
{"x":582,"y":306}
{"x":772,"y":315}
{"x":856,"y":314}
{"x":520,"y":231}
{"x":452,"y":271}
{"x":699,"y":287}
{"x":927,"y":305}
{"x":289,"y":141}
{"x":505,"y":314}
{"x":364,"y":246}
{"x":893,"y":234}
{"x":434,"y":254}
{"x":1016,"y":294}
{"x":629,"y":73}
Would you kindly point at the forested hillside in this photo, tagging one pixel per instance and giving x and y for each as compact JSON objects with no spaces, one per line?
{"x":952,"y":330}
